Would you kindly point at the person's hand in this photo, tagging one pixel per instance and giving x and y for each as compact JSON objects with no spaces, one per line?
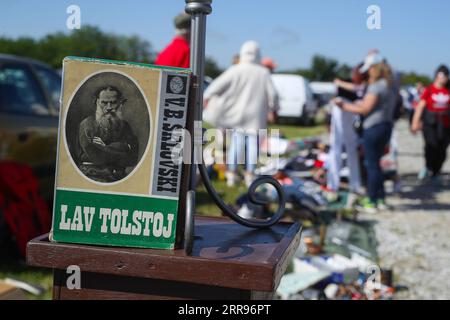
{"x":98,"y":141}
{"x":272,"y":117}
{"x":205,"y":103}
{"x":338,"y":102}
{"x":416,"y":127}
{"x":337,"y":82}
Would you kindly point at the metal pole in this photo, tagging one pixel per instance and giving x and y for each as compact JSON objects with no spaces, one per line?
{"x":199,"y":9}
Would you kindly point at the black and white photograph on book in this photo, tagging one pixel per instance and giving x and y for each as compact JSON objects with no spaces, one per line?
{"x":265,"y":152}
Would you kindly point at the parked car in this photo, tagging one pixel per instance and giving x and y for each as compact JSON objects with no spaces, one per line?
{"x":29,"y":108}
{"x":296,"y":98}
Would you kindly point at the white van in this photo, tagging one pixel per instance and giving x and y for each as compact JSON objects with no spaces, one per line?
{"x":296,"y":98}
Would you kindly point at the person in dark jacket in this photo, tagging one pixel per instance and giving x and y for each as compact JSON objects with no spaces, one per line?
{"x":107,"y":144}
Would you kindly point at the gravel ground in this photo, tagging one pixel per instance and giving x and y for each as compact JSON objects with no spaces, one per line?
{"x":414,"y":236}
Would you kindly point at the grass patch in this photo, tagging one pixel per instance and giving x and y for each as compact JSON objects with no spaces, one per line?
{"x":17,"y":269}
{"x":206,"y":206}
{"x":293,"y":131}
{"x":298,"y":132}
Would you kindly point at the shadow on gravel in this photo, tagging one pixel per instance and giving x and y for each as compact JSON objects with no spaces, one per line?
{"x":423,"y":195}
{"x":411,"y":154}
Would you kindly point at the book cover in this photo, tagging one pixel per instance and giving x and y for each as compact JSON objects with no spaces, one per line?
{"x":118,"y":177}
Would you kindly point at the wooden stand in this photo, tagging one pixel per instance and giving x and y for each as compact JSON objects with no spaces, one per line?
{"x":228,"y":261}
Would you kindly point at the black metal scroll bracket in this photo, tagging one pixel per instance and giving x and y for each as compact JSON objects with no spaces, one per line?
{"x":199,"y":9}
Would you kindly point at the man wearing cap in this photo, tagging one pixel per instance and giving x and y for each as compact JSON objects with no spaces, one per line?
{"x":177,"y":53}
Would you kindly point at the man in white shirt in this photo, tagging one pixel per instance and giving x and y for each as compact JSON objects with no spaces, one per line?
{"x":248,"y":100}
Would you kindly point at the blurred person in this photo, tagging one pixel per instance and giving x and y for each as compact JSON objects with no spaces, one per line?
{"x":177,"y":53}
{"x":432,"y":116}
{"x":417,"y":92}
{"x":358,"y":82}
{"x":235,"y":59}
{"x":377,"y":107}
{"x":412,"y":99}
{"x":343,"y":135}
{"x":396,"y":85}
{"x":248,"y":100}
{"x":269,"y":64}
{"x":399,"y":109}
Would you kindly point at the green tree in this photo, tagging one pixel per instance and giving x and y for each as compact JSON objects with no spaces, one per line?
{"x":18,"y":46}
{"x":212,"y":69}
{"x":326,"y":69}
{"x":306,"y":73}
{"x":412,"y":78}
{"x":344,"y":71}
{"x":89,"y":42}
{"x":323,"y":68}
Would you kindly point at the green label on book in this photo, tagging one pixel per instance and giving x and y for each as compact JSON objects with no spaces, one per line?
{"x":94,"y":218}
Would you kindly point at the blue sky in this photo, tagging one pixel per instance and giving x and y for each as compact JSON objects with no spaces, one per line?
{"x":415,"y":35}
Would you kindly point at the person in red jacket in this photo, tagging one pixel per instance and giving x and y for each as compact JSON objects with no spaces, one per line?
{"x":177,"y":53}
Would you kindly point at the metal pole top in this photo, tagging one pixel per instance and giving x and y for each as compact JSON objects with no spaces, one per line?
{"x":198,"y":6}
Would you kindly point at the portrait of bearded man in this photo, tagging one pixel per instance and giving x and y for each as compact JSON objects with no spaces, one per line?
{"x":107,"y":145}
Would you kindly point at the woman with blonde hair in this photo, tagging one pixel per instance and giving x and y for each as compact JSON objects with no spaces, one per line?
{"x":377,"y":107}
